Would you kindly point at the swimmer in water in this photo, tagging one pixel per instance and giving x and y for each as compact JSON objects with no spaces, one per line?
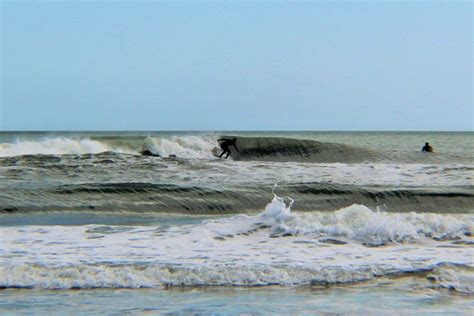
{"x":427,"y":148}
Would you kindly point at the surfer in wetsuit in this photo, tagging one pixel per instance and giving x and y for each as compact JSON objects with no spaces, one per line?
{"x":427,"y":148}
{"x":225,"y":143}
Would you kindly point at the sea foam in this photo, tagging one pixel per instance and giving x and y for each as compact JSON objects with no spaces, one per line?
{"x":357,"y":223}
{"x":180,"y":146}
{"x":276,"y":246}
{"x":54,"y":146}
{"x":194,"y":147}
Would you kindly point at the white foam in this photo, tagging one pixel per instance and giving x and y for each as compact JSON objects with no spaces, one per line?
{"x":53,"y":146}
{"x":356,"y":222}
{"x":359,"y":223}
{"x":277,"y":208}
{"x":200,"y":147}
{"x":136,"y":276}
{"x":181,"y":146}
{"x":274,"y":247}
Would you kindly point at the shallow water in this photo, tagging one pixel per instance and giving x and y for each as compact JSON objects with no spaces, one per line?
{"x":382,"y":296}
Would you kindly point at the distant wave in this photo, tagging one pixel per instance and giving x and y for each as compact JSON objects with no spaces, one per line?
{"x":277,"y":149}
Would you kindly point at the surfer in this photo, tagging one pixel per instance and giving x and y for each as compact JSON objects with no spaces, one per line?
{"x":225,"y":143}
{"x":427,"y":148}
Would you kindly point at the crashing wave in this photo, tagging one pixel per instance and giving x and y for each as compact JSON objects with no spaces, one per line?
{"x":180,"y":146}
{"x":54,"y":146}
{"x":150,"y":276}
{"x":356,"y":222}
{"x":275,"y":247}
{"x":194,"y":147}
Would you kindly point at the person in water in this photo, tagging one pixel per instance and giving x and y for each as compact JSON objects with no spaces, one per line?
{"x":225,"y":143}
{"x":427,"y":148}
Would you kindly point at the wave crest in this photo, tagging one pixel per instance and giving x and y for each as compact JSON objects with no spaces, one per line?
{"x":356,"y":222}
{"x":54,"y":146}
{"x":151,"y":276}
{"x":86,"y":276}
{"x":180,"y":146}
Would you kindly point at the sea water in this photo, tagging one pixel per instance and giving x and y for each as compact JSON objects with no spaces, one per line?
{"x":292,"y":223}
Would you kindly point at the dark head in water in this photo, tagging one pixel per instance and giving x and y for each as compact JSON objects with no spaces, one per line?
{"x":148,"y":152}
{"x":225,"y":143}
{"x":427,"y":148}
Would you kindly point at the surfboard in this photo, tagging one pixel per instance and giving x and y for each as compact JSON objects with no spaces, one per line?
{"x":216,"y":151}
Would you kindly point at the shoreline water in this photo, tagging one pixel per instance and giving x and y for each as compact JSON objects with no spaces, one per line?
{"x":404,"y":295}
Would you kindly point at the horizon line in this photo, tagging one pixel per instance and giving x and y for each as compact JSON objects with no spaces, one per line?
{"x":230,"y":130}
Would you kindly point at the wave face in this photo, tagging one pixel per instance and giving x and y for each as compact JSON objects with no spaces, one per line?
{"x":279,"y":149}
{"x":205,"y":200}
{"x":275,"y":247}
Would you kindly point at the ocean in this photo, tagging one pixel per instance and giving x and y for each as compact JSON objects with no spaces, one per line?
{"x":293,"y":223}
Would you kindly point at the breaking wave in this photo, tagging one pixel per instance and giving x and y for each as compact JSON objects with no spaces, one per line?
{"x":277,"y":149}
{"x":54,"y":146}
{"x":356,"y":223}
{"x":275,"y":247}
{"x":198,"y":147}
{"x":83,"y":276}
{"x":155,"y":276}
{"x":180,"y":146}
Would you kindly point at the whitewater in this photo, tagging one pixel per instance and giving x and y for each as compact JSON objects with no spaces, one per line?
{"x":274,"y":247}
{"x":329,"y":220}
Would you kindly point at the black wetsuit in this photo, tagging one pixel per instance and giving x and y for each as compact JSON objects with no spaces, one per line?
{"x":427,"y":148}
{"x":225,"y":144}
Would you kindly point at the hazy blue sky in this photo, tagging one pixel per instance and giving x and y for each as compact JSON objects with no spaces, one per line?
{"x":106,"y":65}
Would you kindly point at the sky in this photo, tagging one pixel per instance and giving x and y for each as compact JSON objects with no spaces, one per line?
{"x":231,"y":65}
